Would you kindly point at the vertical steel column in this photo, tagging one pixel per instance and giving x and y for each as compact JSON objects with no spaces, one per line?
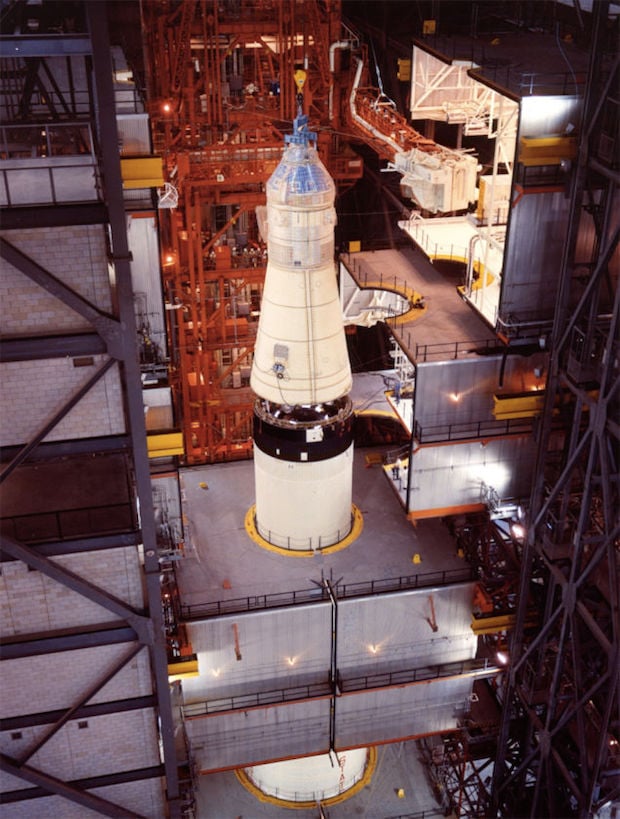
{"x":550,"y":752}
{"x":113,"y":190}
{"x":333,"y":664}
{"x":411,"y":443}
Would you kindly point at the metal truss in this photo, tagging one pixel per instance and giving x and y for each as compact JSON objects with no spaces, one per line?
{"x":558,"y":751}
{"x":463,"y":778}
{"x":114,"y":336}
{"x":221,"y":93}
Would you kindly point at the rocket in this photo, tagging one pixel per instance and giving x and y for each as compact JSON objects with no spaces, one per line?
{"x":303,"y":418}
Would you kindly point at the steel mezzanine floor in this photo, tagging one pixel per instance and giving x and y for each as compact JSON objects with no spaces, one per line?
{"x":223,"y":563}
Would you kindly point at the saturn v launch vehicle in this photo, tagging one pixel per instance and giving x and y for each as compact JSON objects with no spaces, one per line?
{"x":303,"y":439}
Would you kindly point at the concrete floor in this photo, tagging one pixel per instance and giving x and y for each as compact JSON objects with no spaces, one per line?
{"x":223,"y":563}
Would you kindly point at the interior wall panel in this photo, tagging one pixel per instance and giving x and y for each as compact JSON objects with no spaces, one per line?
{"x":461,"y":392}
{"x":380,"y":634}
{"x":266,"y":642}
{"x":471,"y":473}
{"x":74,"y":254}
{"x":260,"y":735}
{"x":408,"y":711}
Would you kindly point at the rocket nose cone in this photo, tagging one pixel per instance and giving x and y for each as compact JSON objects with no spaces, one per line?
{"x":300,"y":174}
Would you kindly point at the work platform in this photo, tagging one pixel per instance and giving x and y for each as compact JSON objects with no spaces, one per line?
{"x":446,"y":327}
{"x":226,"y":579}
{"x":222,"y":563}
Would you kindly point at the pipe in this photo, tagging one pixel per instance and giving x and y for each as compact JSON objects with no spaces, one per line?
{"x":332,"y":52}
{"x":332,"y":67}
{"x":471,"y":264}
{"x":356,"y":117}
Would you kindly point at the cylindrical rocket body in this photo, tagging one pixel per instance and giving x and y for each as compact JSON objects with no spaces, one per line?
{"x":303,"y":442}
{"x":300,"y":355}
{"x":303,"y":506}
{"x":303,"y":470}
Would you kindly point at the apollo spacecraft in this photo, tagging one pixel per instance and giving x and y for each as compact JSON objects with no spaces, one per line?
{"x":303,"y":419}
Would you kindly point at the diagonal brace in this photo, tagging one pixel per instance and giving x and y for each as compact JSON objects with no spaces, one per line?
{"x":141,"y":624}
{"x":86,"y":696}
{"x":57,"y":786}
{"x":55,"y":419}
{"x":105,"y":325}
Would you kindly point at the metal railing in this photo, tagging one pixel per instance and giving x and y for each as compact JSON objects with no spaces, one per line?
{"x":315,"y":796}
{"x":365,"y":278}
{"x":309,"y":544}
{"x":502,"y":72}
{"x":344,"y":686}
{"x":419,"y":352}
{"x":49,"y":181}
{"x":199,"y":611}
{"x":66,"y":524}
{"x":421,"y":814}
{"x":243,"y":701}
{"x":46,"y":140}
{"x":433,"y":672}
{"x":452,"y":350}
{"x":434,"y":249}
{"x":471,"y":430}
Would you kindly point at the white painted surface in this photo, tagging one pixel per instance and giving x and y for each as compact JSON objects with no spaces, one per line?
{"x":310,"y":778}
{"x":303,"y":505}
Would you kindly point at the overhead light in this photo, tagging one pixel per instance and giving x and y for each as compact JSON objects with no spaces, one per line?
{"x":291,"y":660}
{"x":502,"y":658}
{"x":373,"y":648}
{"x":518,"y":531}
{"x":455,"y":397}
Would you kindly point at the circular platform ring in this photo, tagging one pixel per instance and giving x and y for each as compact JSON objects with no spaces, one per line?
{"x":371,"y":764}
{"x":354,"y":533}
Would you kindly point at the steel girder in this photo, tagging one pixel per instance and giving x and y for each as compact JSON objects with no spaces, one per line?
{"x":558,"y":746}
{"x":51,"y":784}
{"x":78,"y":446}
{"x":102,"y":63}
{"x":26,"y":217}
{"x":55,"y":419}
{"x":81,"y":785}
{"x":463,"y":778}
{"x":117,"y":334}
{"x":98,"y":635}
{"x":85,"y":544}
{"x":29,"y":46}
{"x":27,"y":349}
{"x":107,"y":327}
{"x":69,"y":713}
{"x":81,"y":712}
{"x":194,"y":50}
{"x":137,"y":620}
